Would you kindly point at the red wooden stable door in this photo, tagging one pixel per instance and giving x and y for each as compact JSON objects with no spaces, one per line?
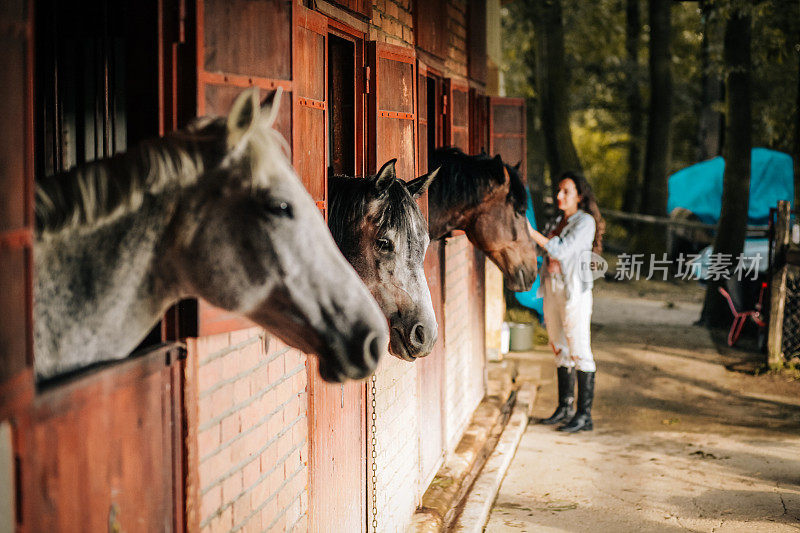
{"x":16,"y":248}
{"x":101,"y":450}
{"x":337,"y":419}
{"x":430,"y":370}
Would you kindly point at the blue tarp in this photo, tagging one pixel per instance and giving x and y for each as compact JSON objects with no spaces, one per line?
{"x":528,"y":298}
{"x":698,"y":188}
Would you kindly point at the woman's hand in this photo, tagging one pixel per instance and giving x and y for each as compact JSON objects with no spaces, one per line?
{"x":540,"y":239}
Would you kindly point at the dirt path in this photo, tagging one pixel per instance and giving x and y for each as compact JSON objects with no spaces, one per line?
{"x":680,"y":443}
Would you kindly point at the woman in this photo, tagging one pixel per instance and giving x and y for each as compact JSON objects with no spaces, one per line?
{"x":566,"y":286}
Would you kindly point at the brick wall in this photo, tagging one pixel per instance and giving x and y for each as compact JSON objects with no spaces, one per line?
{"x":463,"y":379}
{"x":252,"y":433}
{"x":391,"y":22}
{"x":456,"y":61}
{"x":398,"y":490}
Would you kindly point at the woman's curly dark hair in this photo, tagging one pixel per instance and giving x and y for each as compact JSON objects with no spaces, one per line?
{"x":588,"y":203}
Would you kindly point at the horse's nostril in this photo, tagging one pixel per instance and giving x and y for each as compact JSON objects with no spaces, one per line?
{"x":417,"y":336}
{"x":372,"y":350}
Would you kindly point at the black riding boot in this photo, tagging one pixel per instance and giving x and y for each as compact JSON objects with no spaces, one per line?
{"x":582,"y":421}
{"x":566,"y":396}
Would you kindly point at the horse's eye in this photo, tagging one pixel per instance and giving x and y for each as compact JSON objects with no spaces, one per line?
{"x":384,"y":245}
{"x":282,"y":209}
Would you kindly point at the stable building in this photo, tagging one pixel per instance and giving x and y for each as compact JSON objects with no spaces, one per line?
{"x":213,"y":424}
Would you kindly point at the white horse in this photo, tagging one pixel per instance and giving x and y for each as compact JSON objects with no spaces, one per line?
{"x":213,"y":211}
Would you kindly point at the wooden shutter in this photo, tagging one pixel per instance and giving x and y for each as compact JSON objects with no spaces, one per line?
{"x":422,"y":121}
{"x":430,"y":26}
{"x":392,"y":108}
{"x":309,"y":144}
{"x":476,"y":41}
{"x":457,"y":113}
{"x":507,"y":131}
{"x":241,"y":44}
{"x":478,"y":122}
{"x":16,"y":190}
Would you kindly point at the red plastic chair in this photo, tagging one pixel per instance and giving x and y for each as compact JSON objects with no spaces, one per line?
{"x":740,"y":317}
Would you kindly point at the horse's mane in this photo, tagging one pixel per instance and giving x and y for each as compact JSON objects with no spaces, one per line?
{"x":347,"y":205}
{"x":465,"y":179}
{"x":91,"y":194}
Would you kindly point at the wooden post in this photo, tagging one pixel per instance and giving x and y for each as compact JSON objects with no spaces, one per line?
{"x":778,"y":286}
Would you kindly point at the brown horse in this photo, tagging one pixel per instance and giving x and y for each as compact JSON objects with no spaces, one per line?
{"x":486,"y":199}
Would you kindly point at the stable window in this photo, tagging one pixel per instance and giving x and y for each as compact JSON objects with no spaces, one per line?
{"x":342,"y":108}
{"x":96,"y":62}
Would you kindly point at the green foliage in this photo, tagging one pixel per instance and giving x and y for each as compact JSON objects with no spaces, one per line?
{"x":604,"y":153}
{"x":599,"y":68}
{"x":776,"y":56}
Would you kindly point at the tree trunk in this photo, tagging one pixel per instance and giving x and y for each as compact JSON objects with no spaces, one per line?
{"x":536,"y":161}
{"x":654,"y":197}
{"x":709,"y":127}
{"x":633,"y":30}
{"x":552,"y":83}
{"x":738,"y":144}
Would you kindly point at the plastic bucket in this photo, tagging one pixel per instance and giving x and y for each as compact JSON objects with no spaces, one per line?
{"x":521,"y":337}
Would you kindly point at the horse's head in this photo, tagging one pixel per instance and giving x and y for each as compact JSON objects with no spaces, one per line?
{"x":500,"y":228}
{"x":250,"y":239}
{"x":380,"y":229}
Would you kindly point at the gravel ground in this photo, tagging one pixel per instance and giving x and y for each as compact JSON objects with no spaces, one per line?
{"x":685,"y":438}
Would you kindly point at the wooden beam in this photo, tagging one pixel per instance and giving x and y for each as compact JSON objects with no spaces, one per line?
{"x":778,"y":286}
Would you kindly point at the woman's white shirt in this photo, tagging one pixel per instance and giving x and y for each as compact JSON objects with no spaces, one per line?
{"x":569,"y":248}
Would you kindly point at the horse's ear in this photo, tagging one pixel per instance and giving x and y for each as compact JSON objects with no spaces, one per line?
{"x":418,"y":186}
{"x":385,"y":176}
{"x":518,"y":165}
{"x":243,"y":117}
{"x":271,"y":104}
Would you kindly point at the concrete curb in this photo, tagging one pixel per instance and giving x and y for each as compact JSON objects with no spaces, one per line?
{"x":440,"y":503}
{"x":480,"y":499}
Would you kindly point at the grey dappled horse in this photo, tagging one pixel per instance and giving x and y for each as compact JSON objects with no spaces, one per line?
{"x":486,"y":199}
{"x":214,"y":211}
{"x":380,"y":229}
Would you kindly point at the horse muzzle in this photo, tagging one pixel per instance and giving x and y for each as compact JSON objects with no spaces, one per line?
{"x":412,"y":343}
{"x":354,"y":360}
{"x":521,"y":281}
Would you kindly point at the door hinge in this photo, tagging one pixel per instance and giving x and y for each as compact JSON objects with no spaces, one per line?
{"x":444,"y":104}
{"x":367,"y":74}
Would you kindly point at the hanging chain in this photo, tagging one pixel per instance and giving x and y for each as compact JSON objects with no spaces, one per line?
{"x":374,"y":455}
